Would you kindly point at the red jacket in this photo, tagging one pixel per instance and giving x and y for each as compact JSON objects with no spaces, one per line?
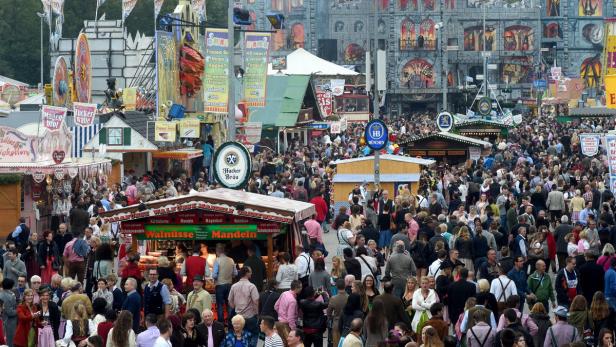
{"x":321,"y":207}
{"x":551,"y":245}
{"x":24,"y":323}
{"x":195,"y":265}
{"x":132,"y":270}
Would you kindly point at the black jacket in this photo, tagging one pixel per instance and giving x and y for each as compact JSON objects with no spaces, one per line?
{"x":353,"y":267}
{"x":218,"y":332}
{"x":591,"y":279}
{"x":516,"y":327}
{"x":47,"y":250}
{"x":457,"y":295}
{"x":267,"y":300}
{"x":560,"y":285}
{"x":54,"y":318}
{"x":313,"y":313}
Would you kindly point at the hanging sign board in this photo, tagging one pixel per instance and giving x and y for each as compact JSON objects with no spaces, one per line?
{"x":444,"y":121}
{"x":53,"y":117}
{"x":474,"y":153}
{"x":589,"y":144}
{"x":202,"y":232}
{"x":232,"y":165}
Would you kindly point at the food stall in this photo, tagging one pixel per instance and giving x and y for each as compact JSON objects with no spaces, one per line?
{"x":216,"y":216}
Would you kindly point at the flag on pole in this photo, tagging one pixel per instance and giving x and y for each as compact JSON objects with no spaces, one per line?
{"x":57,"y":6}
{"x":199,"y":7}
{"x":99,"y":3}
{"x":47,"y":10}
{"x":158,"y":4}
{"x":127,"y":8}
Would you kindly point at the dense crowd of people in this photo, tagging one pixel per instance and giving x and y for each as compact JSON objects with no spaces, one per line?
{"x":477,"y":254}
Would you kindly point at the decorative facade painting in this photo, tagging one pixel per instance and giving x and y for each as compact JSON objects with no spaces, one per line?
{"x":473,"y":38}
{"x":339,"y":26}
{"x":405,"y":5}
{"x":450,"y":4}
{"x":590,"y":8}
{"x":253,"y":20}
{"x":407,"y":34}
{"x":552,"y":31}
{"x":610,"y":48}
{"x":518,"y":38}
{"x":354,"y":53}
{"x":358,"y":27}
{"x":383,"y":4}
{"x":380,"y":28}
{"x":298,"y":36}
{"x":517,"y":70}
{"x":428,"y":5}
{"x":348,"y":4}
{"x":593,"y":33}
{"x":278,"y":40}
{"x":451,"y":81}
{"x":480,"y":3}
{"x":590,"y":72}
{"x":427,"y":32}
{"x":517,"y":3}
{"x":553,"y":8}
{"x":417,"y":73}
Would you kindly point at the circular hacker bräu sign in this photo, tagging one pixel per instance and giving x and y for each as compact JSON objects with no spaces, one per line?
{"x":376,"y":134}
{"x":444,"y":121}
{"x":232,"y":165}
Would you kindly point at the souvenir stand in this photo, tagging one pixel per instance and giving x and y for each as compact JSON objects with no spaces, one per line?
{"x":216,"y":216}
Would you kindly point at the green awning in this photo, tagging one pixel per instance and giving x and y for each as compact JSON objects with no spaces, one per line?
{"x":285,"y":95}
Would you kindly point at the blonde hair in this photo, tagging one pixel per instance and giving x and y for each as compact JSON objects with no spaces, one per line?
{"x":584,"y":234}
{"x":239,"y":320}
{"x":80,"y":316}
{"x":484,"y":285}
{"x":163,"y":262}
{"x":66,"y":283}
{"x":608,"y":249}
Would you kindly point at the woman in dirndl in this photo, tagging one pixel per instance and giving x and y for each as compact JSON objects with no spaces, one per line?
{"x":48,"y":257}
{"x":48,"y":322}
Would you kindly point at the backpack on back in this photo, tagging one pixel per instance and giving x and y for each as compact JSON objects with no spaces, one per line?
{"x":81,"y":247}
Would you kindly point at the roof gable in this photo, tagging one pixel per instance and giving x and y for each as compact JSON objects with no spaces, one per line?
{"x":138,"y":141}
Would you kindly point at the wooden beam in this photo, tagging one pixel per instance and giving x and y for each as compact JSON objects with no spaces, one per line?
{"x":270,"y":256}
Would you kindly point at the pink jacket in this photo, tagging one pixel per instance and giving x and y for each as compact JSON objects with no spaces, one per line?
{"x":286,"y":307}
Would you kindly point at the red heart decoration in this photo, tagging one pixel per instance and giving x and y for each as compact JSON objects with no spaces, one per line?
{"x":58,"y":156}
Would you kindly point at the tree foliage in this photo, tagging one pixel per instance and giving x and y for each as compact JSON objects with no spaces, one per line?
{"x":20,"y":29}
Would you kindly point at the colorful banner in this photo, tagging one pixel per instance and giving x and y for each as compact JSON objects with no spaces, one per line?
{"x":256,"y":56}
{"x":53,"y":117}
{"x":337,"y":87}
{"x":158,"y":4}
{"x":84,"y":114}
{"x":610,"y":48}
{"x":324,"y":99}
{"x":199,"y":7}
{"x":610,"y":91}
{"x":57,"y":6}
{"x":168,"y":72}
{"x":201,"y":232}
{"x":17,"y":147}
{"x":127,"y":8}
{"x":216,"y":81}
{"x":164,"y":131}
{"x":610,"y":144}
{"x":190,"y":128}
{"x":129,"y":97}
{"x":589,"y":144}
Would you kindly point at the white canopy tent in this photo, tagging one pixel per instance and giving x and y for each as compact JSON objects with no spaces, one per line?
{"x":302,"y":62}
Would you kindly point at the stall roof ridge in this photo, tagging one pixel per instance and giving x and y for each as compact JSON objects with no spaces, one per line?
{"x":236,"y":199}
{"x":482,"y":121}
{"x":450,"y":136}
{"x":400,"y":158}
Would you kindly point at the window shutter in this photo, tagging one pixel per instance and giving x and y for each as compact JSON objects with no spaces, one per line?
{"x":126,"y":135}
{"x":102,"y":136}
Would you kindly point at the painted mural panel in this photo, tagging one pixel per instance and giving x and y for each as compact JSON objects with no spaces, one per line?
{"x":339,"y":26}
{"x":590,"y":72}
{"x":383,"y":4}
{"x":479,"y":3}
{"x":358,"y":26}
{"x":428,"y":5}
{"x":354,"y":53}
{"x":417,"y":73}
{"x":473,"y":38}
{"x":298,"y":36}
{"x":552,"y":31}
{"x":407,"y":34}
{"x":348,"y":4}
{"x":427,"y":32}
{"x":518,"y":38}
{"x":279,"y":41}
{"x":517,"y":70}
{"x":405,"y":5}
{"x":553,"y":8}
{"x":590,"y":8}
{"x":610,"y":48}
{"x":450,"y":4}
{"x":593,"y":33}
{"x":381,"y":27}
{"x":517,"y":3}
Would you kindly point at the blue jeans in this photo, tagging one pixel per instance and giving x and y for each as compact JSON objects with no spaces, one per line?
{"x":503,"y":222}
{"x":222,"y":297}
{"x":252,"y":326}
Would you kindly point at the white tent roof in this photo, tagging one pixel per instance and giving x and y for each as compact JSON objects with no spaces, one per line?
{"x":302,"y":62}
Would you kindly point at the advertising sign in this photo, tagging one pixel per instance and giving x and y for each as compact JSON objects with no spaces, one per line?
{"x":444,"y":121}
{"x":164,"y":131}
{"x":168,"y":68}
{"x":589,"y":144}
{"x":337,"y":87}
{"x":232,"y":165}
{"x":190,"y":128}
{"x":84,"y":114}
{"x":279,"y":63}
{"x":610,"y":48}
{"x":53,"y":117}
{"x":556,"y":72}
{"x":252,"y":132}
{"x":484,"y":106}
{"x":256,"y":54}
{"x":216,"y":79}
{"x":201,"y":232}
{"x":16,"y":147}
{"x":129,"y":97}
{"x":474,"y":153}
{"x":610,"y":144}
{"x":376,"y":134}
{"x":336,"y":127}
{"x":324,"y":99}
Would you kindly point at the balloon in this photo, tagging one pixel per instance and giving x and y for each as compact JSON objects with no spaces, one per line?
{"x":397,"y":150}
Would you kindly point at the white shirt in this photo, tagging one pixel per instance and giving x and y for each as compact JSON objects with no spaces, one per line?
{"x":435,"y":268}
{"x":304,"y":264}
{"x":68,"y":333}
{"x":162,"y":342}
{"x":502,"y":288}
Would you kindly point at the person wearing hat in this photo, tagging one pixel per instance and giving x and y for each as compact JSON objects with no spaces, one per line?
{"x":199,"y":298}
{"x":561,"y":332}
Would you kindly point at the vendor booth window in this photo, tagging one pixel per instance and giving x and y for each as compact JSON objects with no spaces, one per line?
{"x":114,"y":137}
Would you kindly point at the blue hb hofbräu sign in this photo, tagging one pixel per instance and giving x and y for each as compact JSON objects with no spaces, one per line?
{"x":376,"y":134}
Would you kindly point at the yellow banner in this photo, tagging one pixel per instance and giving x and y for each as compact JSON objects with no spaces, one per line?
{"x":610,"y":48}
{"x":164,"y":131}
{"x":610,"y":91}
{"x":190,"y":128}
{"x":129,"y":97}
